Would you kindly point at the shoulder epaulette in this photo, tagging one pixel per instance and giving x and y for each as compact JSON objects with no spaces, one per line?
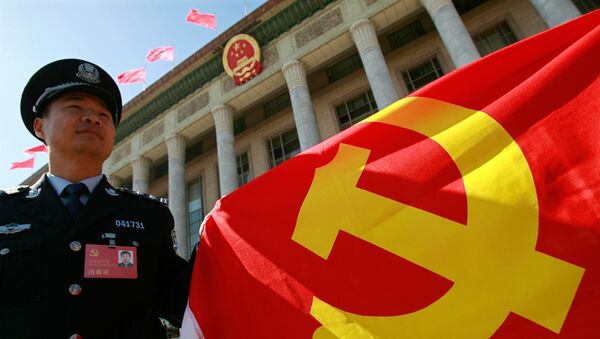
{"x":13,"y":190}
{"x":160,"y":200}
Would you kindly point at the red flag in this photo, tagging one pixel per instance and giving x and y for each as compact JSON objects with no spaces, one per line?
{"x":161,"y":53}
{"x":205,"y":20}
{"x":23,"y":164}
{"x":466,"y":210}
{"x":132,"y":76}
{"x":41,"y":148}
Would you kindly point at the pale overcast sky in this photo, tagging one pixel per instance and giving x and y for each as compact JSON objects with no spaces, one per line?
{"x":115,"y":34}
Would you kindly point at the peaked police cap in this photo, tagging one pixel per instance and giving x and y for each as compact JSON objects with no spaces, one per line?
{"x":68,"y":75}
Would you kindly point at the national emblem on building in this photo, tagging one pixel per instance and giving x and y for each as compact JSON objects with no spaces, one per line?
{"x":241,"y":58}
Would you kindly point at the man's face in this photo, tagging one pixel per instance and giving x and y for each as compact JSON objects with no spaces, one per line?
{"x":125,"y":258}
{"x":77,"y":123}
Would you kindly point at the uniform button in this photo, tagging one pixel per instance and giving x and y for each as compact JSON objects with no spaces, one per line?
{"x":5,"y":251}
{"x":135,"y":243}
{"x":75,"y":246}
{"x":76,"y":336}
{"x":75,"y":289}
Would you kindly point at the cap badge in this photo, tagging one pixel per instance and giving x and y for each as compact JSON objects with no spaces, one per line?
{"x":89,"y":73}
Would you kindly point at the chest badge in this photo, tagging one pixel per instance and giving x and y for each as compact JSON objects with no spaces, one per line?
{"x":106,"y":262}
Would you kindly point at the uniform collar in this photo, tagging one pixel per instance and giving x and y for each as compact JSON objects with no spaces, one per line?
{"x":44,"y":204}
{"x":59,"y":183}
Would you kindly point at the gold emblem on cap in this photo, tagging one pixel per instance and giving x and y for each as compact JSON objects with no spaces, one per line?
{"x":89,"y":73}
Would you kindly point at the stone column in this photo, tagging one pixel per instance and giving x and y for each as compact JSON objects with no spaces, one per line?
{"x":380,"y":79}
{"x":294,"y":73}
{"x":452,"y":30}
{"x":141,"y":174}
{"x":177,"y":191}
{"x":555,"y":12}
{"x":223,"y":117}
{"x":115,"y":181}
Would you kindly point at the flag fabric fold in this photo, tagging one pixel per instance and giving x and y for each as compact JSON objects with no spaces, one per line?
{"x":161,"y":53}
{"x":23,"y":164}
{"x":37,"y":149}
{"x":468,"y":209}
{"x":204,"y":20}
{"x":132,"y":76}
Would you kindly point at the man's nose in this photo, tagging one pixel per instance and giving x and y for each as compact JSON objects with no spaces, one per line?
{"x":92,"y":117}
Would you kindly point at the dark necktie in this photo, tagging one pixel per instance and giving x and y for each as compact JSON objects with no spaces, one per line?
{"x":72,"y":193}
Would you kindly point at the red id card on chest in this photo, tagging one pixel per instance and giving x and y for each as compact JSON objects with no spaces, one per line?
{"x":110,"y":262}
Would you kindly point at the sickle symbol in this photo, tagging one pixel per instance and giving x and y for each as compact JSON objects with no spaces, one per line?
{"x":492,"y":260}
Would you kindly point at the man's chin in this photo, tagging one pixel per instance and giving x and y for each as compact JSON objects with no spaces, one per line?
{"x":95,"y":151}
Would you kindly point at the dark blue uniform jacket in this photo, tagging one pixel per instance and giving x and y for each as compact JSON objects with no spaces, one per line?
{"x":41,"y":266}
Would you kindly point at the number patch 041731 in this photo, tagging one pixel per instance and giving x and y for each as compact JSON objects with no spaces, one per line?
{"x":129,"y":224}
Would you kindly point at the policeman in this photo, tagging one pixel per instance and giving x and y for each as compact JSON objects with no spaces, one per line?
{"x":60,"y":239}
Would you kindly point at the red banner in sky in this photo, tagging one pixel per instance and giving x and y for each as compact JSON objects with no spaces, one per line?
{"x":467,"y":210}
{"x":161,"y":53}
{"x":23,"y":164}
{"x":132,"y":76}
{"x":204,"y":20}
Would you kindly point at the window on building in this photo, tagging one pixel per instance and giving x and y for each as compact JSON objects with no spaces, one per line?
{"x":283,"y":147}
{"x":343,"y":68}
{"x":406,"y":34}
{"x":159,"y":170}
{"x":463,"y":6}
{"x":195,"y":210}
{"x":239,"y":125}
{"x":422,"y":74}
{"x":586,"y":6}
{"x":193,"y":151}
{"x":277,"y":104}
{"x":356,"y":109}
{"x":495,"y":38}
{"x":243,"y":169}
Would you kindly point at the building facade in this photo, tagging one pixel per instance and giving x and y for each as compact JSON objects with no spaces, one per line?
{"x":194,"y":136}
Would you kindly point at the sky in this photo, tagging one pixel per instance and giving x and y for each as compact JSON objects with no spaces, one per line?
{"x":114,"y":34}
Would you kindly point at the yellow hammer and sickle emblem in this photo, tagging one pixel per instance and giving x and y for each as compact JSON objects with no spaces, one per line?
{"x":492,"y":260}
{"x":94,"y":252}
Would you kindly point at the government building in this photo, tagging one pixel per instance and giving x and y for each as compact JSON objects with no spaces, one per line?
{"x":317,"y":68}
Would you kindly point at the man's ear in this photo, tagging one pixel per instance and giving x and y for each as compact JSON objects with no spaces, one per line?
{"x":38,"y":128}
